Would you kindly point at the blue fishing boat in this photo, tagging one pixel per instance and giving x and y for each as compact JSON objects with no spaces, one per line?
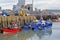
{"x":38,"y":25}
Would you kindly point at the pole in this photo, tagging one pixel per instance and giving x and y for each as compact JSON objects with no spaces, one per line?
{"x":32,"y":3}
{"x":41,"y":14}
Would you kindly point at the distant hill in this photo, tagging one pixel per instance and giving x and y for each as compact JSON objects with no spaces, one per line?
{"x":54,"y":10}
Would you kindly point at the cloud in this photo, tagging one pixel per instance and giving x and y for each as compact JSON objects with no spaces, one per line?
{"x":7,"y":4}
{"x":41,"y":4}
{"x":47,"y":4}
{"x":8,"y":1}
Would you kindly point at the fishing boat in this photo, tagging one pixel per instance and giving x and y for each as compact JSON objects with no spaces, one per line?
{"x":14,"y":30}
{"x":42,"y":25}
{"x":38,"y":25}
{"x":56,"y":20}
{"x":11,"y":29}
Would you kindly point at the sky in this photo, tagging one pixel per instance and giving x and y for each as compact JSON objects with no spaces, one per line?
{"x":40,"y":4}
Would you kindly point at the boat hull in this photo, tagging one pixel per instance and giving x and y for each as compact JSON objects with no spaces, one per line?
{"x":15,"y":30}
{"x":56,"y":20}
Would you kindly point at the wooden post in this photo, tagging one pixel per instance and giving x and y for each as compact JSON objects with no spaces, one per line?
{"x":0,"y":23}
{"x":3,"y":20}
{"x":19,"y":20}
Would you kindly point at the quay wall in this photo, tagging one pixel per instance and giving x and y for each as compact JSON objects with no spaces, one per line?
{"x":19,"y":20}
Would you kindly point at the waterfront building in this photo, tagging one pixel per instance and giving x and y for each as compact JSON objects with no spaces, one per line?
{"x":30,"y":8}
{"x":21,"y":2}
{"x":0,"y":8}
{"x":19,"y":5}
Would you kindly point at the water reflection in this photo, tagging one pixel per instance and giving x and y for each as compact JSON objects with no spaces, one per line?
{"x":38,"y":35}
{"x":26,"y":35}
{"x":51,"y":34}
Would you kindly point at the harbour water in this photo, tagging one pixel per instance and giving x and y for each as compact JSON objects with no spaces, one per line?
{"x":52,"y":34}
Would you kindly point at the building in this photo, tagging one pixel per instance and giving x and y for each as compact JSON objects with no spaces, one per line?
{"x":10,"y":12}
{"x":30,"y":8}
{"x":19,"y":5}
{"x":21,"y":2}
{"x":0,"y":8}
{"x":15,"y":7}
{"x":0,"y":12}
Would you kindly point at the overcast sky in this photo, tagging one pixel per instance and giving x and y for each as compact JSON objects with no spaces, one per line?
{"x":41,"y":4}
